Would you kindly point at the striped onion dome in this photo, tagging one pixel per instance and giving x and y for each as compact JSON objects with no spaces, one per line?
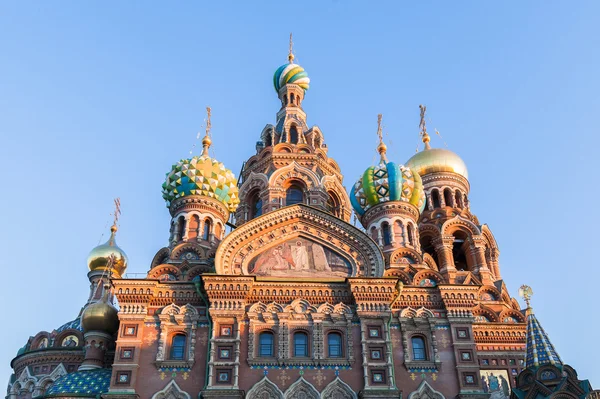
{"x":290,"y":73}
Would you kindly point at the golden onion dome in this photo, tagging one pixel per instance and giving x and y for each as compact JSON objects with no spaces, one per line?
{"x":108,"y":256}
{"x":100,"y":316}
{"x":432,"y":160}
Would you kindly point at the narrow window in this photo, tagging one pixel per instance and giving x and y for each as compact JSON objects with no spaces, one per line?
{"x":294,"y":135}
{"x":334,"y":344}
{"x":435,"y":197}
{"x":387,"y":237}
{"x":177,"y":347}
{"x":294,"y":195}
{"x":409,"y":232}
{"x":300,"y":344}
{"x":448,"y":197}
{"x":418,"y":347}
{"x":265,"y":344}
{"x":206,"y":232}
{"x":458,"y":199}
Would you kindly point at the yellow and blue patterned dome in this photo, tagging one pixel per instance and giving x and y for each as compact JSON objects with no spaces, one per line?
{"x":202,"y":175}
{"x":385,"y":182}
{"x":290,"y":73}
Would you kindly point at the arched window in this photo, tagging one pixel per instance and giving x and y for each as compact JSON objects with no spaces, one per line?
{"x":180,"y":227}
{"x":292,"y":99}
{"x":177,"y":347}
{"x":300,"y":344}
{"x":435,"y":198}
{"x":334,"y":344}
{"x":458,"y":199}
{"x":265,"y":344}
{"x":374,"y":233}
{"x":448,"y":197}
{"x":409,"y":233}
{"x":333,"y":204}
{"x":460,"y":250}
{"x":256,"y":205}
{"x":387,"y":236}
{"x":418,"y":348}
{"x":207,"y":228}
{"x":293,"y":134}
{"x":294,"y":195}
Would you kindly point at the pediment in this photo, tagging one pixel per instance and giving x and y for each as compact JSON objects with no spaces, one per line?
{"x":299,"y":242}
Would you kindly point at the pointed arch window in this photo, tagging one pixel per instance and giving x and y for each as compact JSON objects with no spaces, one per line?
{"x":333,"y":204}
{"x":177,"y":347}
{"x":293,"y":134}
{"x":435,"y":198}
{"x":256,"y":205}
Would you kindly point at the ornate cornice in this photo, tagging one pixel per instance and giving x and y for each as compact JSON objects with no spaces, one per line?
{"x":198,"y":202}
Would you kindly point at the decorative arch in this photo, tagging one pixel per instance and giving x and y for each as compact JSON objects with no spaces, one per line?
{"x":162,"y":256}
{"x":164,"y":269}
{"x":294,"y":171}
{"x":405,"y":256}
{"x":425,"y":391}
{"x":181,"y":249}
{"x":399,"y":274}
{"x":492,"y":293}
{"x":264,"y":389}
{"x":254,"y":181}
{"x":243,"y":244}
{"x":46,"y":382}
{"x":512,"y":314}
{"x":482,"y":310}
{"x":302,"y":389}
{"x":171,"y":391}
{"x":460,"y":223}
{"x":338,"y":389}
{"x":429,"y":261}
{"x":428,"y":278}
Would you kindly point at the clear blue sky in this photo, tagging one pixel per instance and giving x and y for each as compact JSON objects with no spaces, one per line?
{"x":98,"y":99}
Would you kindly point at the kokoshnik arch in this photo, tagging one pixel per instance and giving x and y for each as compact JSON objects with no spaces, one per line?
{"x":296,"y":302}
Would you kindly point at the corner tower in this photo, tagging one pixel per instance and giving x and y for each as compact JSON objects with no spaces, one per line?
{"x":450,"y":234}
{"x":291,"y":165}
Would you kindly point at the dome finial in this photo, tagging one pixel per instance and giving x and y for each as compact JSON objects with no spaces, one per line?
{"x":423,"y":127}
{"x":381,"y":148}
{"x":526,"y":293}
{"x":114,"y":228}
{"x":206,"y":141}
{"x":291,"y":53}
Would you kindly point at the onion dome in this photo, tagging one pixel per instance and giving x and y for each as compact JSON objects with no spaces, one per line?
{"x":202,"y":175}
{"x":100,"y":316}
{"x":386,"y":182}
{"x":290,"y":73}
{"x":108,"y":256}
{"x":432,"y":160}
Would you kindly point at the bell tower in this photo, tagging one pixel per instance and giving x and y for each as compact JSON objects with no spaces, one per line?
{"x":291,"y":165}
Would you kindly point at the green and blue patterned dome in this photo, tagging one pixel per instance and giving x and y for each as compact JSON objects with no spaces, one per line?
{"x":290,"y":73}
{"x":202,"y":175}
{"x":386,"y":182}
{"x":87,"y":384}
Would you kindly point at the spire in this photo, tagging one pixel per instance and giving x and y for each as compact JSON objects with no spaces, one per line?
{"x":206,"y":141}
{"x":540,"y":350}
{"x":423,"y":127}
{"x":291,"y":52}
{"x":381,"y":148}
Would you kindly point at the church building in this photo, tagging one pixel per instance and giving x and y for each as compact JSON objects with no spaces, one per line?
{"x":281,"y":283}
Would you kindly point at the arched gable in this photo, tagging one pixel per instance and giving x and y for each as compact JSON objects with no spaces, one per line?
{"x":264,"y":389}
{"x":507,"y":315}
{"x":302,"y":389}
{"x":492,"y":293}
{"x":404,"y":256}
{"x":428,"y":278}
{"x":429,"y":261}
{"x":257,"y":236}
{"x":254,"y":181}
{"x":338,"y":389}
{"x":488,"y":313}
{"x":489,"y":237}
{"x":181,"y":249}
{"x":171,"y":391}
{"x":166,"y":269}
{"x":162,"y":256}
{"x":425,"y":391}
